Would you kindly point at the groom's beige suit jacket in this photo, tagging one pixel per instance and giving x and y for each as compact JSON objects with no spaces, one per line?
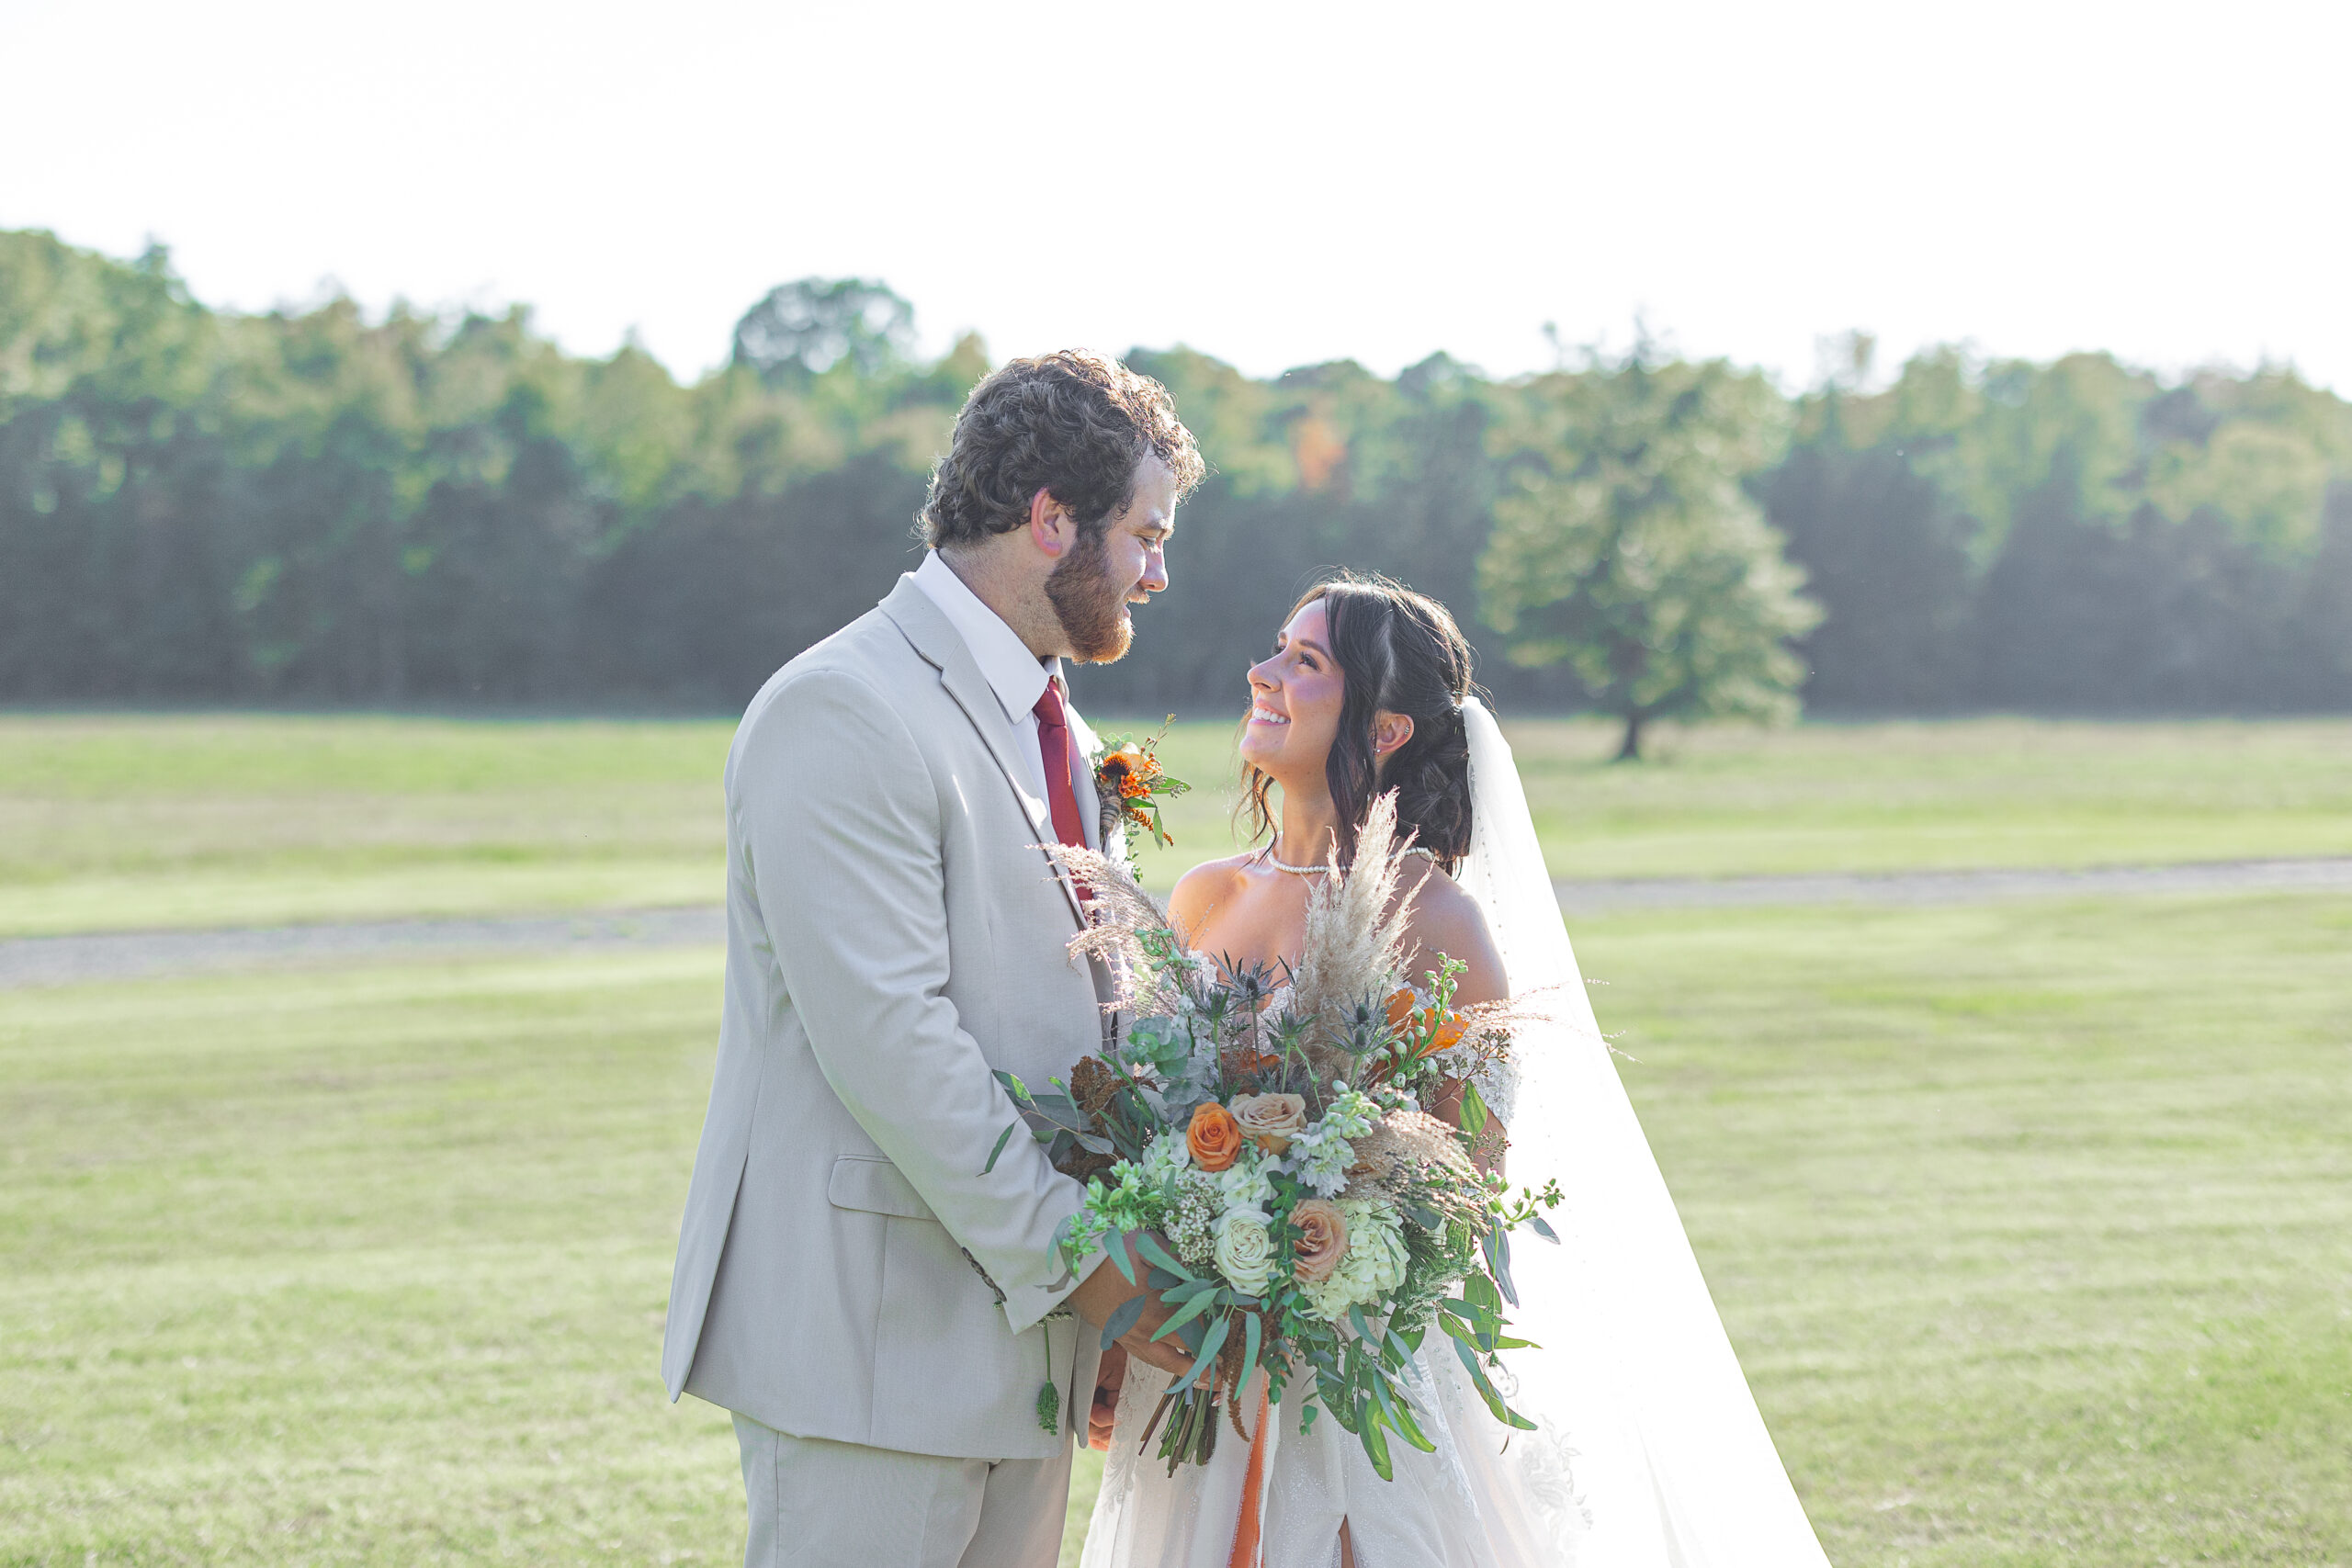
{"x":894,"y":933}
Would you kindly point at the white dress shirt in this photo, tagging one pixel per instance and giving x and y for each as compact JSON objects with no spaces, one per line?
{"x":1018,"y":678}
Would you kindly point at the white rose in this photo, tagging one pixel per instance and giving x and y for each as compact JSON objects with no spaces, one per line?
{"x":1245,"y":1251}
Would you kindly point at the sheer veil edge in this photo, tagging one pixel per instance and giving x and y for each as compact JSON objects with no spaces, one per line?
{"x":1636,"y":1385}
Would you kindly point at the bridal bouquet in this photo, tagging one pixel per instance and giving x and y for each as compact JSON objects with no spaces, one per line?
{"x":1277,"y":1132}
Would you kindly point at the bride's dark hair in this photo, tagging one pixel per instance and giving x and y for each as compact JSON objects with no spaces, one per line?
{"x":1398,"y":651}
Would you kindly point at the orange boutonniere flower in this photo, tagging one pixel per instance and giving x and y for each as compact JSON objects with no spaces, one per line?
{"x":1130,"y":783}
{"x":1214,"y":1138}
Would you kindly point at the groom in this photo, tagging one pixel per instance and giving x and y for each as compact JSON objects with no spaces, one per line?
{"x":881,"y":1317}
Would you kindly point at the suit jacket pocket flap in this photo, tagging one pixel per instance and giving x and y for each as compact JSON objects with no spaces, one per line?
{"x":876,"y":1187}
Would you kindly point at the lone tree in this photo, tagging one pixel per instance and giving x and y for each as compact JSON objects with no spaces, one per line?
{"x":1625,"y":544}
{"x":799,"y":330}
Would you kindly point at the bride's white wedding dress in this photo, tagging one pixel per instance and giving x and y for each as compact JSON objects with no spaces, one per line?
{"x":1649,"y":1453}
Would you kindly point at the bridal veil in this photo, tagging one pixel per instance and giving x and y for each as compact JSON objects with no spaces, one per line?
{"x":1642,"y":1403}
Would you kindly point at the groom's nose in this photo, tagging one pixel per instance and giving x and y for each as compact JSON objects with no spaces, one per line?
{"x":1155,"y":571}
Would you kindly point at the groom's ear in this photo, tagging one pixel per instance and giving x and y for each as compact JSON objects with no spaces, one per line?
{"x":1051,"y":527}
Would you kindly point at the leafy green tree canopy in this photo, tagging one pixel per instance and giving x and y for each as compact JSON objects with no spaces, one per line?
{"x":1625,"y":544}
{"x":800,"y":330}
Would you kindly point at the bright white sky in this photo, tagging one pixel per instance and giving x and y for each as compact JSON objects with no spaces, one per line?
{"x":1275,"y":183}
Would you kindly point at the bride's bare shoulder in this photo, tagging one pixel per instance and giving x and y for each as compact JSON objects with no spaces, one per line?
{"x":1447,"y":919}
{"x":1204,"y":887}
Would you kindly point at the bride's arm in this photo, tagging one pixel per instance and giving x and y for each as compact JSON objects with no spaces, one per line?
{"x":1447,"y":920}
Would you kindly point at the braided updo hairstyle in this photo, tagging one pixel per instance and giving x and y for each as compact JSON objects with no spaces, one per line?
{"x":1398,"y":651}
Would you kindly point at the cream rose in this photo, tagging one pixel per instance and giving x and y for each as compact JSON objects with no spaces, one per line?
{"x":1270,"y":1120}
{"x":1245,"y":1251}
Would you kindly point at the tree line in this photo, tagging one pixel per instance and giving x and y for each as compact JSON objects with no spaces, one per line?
{"x":313,"y":507}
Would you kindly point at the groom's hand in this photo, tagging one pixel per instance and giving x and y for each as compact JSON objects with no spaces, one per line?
{"x":1103,"y":1415}
{"x":1105,"y":1291}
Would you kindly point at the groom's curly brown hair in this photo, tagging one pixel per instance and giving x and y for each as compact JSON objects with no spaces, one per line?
{"x":1072,"y":423}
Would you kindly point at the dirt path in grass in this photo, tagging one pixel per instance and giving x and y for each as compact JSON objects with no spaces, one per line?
{"x":130,"y":955}
{"x":65,"y":960}
{"x":1917,"y":888}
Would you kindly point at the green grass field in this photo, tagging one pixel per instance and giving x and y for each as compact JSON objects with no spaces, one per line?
{"x":2033,"y":1224}
{"x":132,"y":823}
{"x":155,"y":822}
{"x":1734,"y":801}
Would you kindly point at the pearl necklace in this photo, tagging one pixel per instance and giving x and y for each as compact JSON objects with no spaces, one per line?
{"x":1266,"y":856}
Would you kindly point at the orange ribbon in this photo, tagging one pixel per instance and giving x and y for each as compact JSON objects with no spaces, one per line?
{"x":1245,"y":1533}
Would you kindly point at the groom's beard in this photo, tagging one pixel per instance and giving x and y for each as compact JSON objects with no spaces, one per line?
{"x":1091,"y":607}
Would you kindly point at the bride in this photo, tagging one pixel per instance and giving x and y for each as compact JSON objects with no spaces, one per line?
{"x":1648,"y":1451}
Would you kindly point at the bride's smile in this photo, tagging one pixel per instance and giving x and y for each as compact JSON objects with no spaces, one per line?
{"x":1295,"y":696}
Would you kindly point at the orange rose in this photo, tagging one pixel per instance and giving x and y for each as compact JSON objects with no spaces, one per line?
{"x":1322,"y":1239}
{"x":1213,"y":1137}
{"x":1449,"y":1034}
{"x":1400,"y":1008}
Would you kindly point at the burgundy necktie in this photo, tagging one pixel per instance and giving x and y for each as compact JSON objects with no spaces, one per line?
{"x":1053,"y":745}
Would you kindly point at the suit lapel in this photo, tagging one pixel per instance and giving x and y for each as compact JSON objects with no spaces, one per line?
{"x":927,"y":628}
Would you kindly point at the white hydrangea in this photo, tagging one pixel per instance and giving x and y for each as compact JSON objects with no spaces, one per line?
{"x":1246,"y":1183}
{"x":1372,"y":1266}
{"x":1165,"y":1158}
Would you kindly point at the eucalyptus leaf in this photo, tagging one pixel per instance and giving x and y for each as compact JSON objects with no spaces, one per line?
{"x":1002,"y":1139}
{"x":1209,"y":1348}
{"x":1376,"y":1448}
{"x":1124,"y":1317}
{"x":1149,"y":1247}
{"x":1500,"y":1254}
{"x":1200,"y":1302}
{"x":1474,"y":1109}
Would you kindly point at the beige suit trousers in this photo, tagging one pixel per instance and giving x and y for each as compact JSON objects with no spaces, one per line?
{"x":817,"y":1504}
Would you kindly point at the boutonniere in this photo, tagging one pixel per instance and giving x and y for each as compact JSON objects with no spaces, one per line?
{"x":1130,"y":783}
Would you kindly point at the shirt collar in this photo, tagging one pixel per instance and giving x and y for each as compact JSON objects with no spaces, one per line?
{"x":1017,"y":676}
